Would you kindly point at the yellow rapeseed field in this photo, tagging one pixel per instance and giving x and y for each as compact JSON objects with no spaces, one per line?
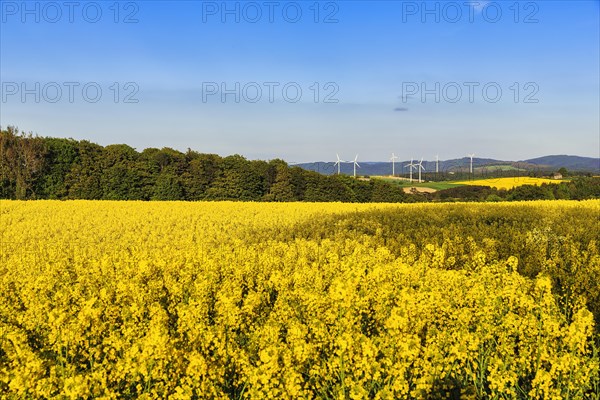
{"x":298,"y":301}
{"x":509,"y":183}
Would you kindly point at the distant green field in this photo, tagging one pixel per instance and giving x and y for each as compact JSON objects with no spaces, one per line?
{"x":436,"y":185}
{"x":492,"y":168}
{"x":432,"y":185}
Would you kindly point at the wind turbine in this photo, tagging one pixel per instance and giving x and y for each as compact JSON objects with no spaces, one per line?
{"x":410,"y":168}
{"x":437,"y":164}
{"x":338,"y":163}
{"x":471,"y":156}
{"x":355,"y":165}
{"x":393,"y":160}
{"x":420,"y":167}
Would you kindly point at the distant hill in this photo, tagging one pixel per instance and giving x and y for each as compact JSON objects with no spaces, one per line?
{"x":547,"y":163}
{"x":574,"y":163}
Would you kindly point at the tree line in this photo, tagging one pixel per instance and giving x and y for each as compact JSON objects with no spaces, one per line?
{"x":33,"y":167}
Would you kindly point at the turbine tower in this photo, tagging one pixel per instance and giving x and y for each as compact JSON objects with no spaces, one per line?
{"x":338,"y":163}
{"x":420,"y":167}
{"x":437,"y":164}
{"x":393,"y":160}
{"x":410,"y":168}
{"x":355,"y":165}
{"x":471,"y":169}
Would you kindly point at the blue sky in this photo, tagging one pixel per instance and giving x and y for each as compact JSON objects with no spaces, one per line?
{"x":369,"y":74}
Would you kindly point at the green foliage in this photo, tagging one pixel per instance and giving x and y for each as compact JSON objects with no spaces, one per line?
{"x":167,"y":187}
{"x":385,"y":193}
{"x":60,"y":156}
{"x":532,"y":192}
{"x":120,"y":178}
{"x":84,"y":179}
{"x":327,"y":188}
{"x":281,"y":189}
{"x":563,"y":171}
{"x":51,"y":168}
{"x":237,"y":180}
{"x":22,"y":162}
{"x":202,"y":171}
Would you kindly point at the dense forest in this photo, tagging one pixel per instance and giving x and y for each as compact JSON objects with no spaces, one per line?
{"x":33,"y":167}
